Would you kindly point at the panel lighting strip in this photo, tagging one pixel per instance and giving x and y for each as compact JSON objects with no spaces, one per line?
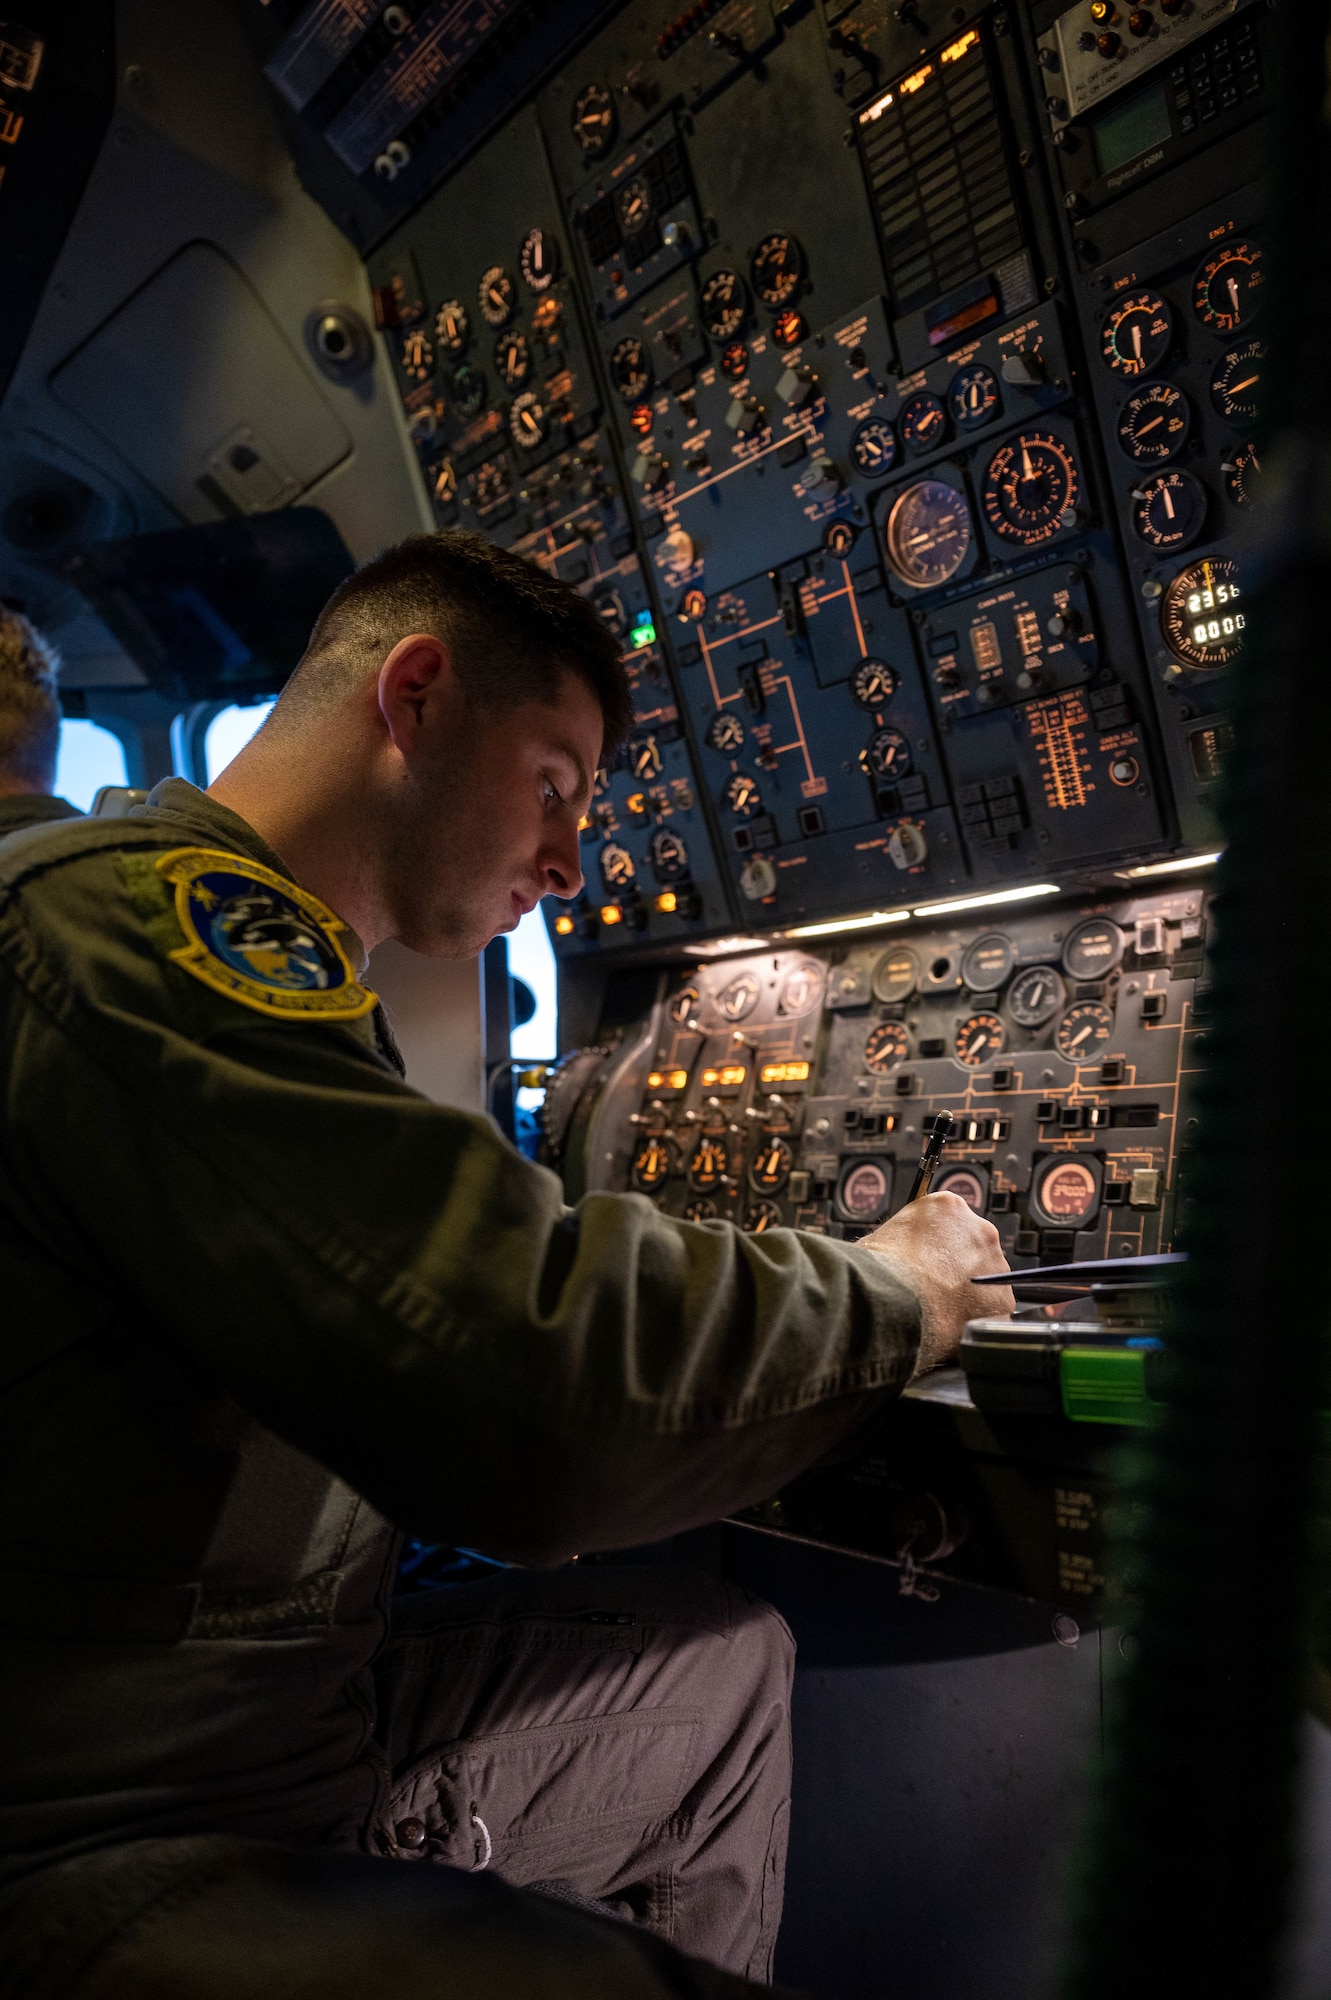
{"x":952,"y":907}
{"x":1169,"y":867}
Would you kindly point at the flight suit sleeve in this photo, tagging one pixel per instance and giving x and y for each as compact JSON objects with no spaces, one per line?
{"x":387,"y":1283}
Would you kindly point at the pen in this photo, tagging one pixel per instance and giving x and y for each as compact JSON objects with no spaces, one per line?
{"x":939,"y":1132}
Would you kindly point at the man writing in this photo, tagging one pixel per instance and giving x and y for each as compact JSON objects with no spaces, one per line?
{"x":265,"y":1301}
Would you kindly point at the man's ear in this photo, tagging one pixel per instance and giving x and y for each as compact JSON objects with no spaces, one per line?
{"x":417,"y":676}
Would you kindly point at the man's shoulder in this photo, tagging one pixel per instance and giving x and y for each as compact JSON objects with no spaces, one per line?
{"x":54,"y":845}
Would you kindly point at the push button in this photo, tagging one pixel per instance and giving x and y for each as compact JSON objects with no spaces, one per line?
{"x":410,"y":1833}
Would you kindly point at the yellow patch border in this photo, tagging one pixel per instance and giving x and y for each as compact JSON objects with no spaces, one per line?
{"x":183,"y":865}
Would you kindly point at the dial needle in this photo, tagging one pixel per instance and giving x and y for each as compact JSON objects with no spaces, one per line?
{"x":1232,"y":287}
{"x":1248,"y":384}
{"x":1153,"y":425}
{"x":1136,"y":343}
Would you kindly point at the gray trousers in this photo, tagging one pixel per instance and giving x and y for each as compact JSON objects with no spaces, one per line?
{"x":609,"y":1736}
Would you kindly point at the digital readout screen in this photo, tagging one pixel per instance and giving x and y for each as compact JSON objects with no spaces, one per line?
{"x":1130,"y":128}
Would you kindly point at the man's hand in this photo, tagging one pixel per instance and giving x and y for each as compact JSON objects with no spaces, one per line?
{"x":939,"y":1245}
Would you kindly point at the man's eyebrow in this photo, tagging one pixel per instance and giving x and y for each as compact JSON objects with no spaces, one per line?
{"x":584,"y":787}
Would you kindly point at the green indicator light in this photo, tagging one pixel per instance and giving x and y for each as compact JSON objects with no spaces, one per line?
{"x":644,"y":632}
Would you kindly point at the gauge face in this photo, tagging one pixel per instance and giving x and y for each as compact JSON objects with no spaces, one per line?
{"x":865,"y":1189}
{"x":738,"y":999}
{"x":468,"y":390}
{"x":593,"y":119}
{"x":1236,"y":384}
{"x":802,"y":988}
{"x":1067,"y":1191}
{"x":1200,"y":615}
{"x":1030,"y":487}
{"x":788,"y":328}
{"x":527,"y":420}
{"x":1092,"y":949}
{"x":683,"y":1005}
{"x":725,"y":732}
{"x":735,"y":360}
{"x":1243,"y":475}
{"x":874,"y":448}
{"x":547,"y":319}
{"x":417,"y":355}
{"x":708,"y":1163}
{"x":1036,"y":996}
{"x":874,"y":683}
{"x":889,"y":754}
{"x":1169,"y":510}
{"x":987,"y":963}
{"x":762,"y":1216}
{"x":452,"y":328}
{"x":512,"y":359}
{"x":888,"y":1045}
{"x":742,"y":796}
{"x":634,"y":202}
{"x":896,"y":974}
{"x":777,"y":268}
{"x":979,"y":1037}
{"x":538,"y":260}
{"x":496,"y":296}
{"x":631,"y":368}
{"x":1083,"y":1030}
{"x":1227,"y":290}
{"x":923,"y":422}
{"x":445,"y":483}
{"x":928,"y":534}
{"x":651,"y":1162}
{"x":617,"y":867}
{"x":701,"y":1210}
{"x":771,"y":1165}
{"x":969,"y":1184}
{"x":1135,"y":337}
{"x":1153,"y":424}
{"x":972,"y":397}
{"x":724,"y":304}
{"x":668,"y":855}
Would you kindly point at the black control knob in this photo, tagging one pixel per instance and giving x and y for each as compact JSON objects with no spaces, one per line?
{"x":1109,"y":43}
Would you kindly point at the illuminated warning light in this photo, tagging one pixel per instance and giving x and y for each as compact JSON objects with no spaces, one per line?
{"x":729,"y":1077}
{"x":667,"y":902}
{"x":611,"y":913}
{"x":564,"y":926}
{"x":963,"y":45}
{"x":694,"y":605}
{"x":584,"y":822}
{"x":668,"y":1079}
{"x":640,"y":418}
{"x":789,"y":329}
{"x":916,"y":81}
{"x":644,"y":630}
{"x":878,"y":107}
{"x":785,"y":1072}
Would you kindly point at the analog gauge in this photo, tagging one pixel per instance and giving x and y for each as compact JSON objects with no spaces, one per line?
{"x":874,"y":683}
{"x":634,"y":202}
{"x":1092,"y":949}
{"x":738,"y":999}
{"x":683,"y":1005}
{"x":1067,"y":1191}
{"x":928,"y":534}
{"x":969,"y":1184}
{"x":777,"y":268}
{"x":1236,"y":382}
{"x":496,"y":296}
{"x":1200,"y":615}
{"x":802,"y":987}
{"x":1083,"y":1030}
{"x":1169,"y":511}
{"x":979,"y":1037}
{"x":445,"y":483}
{"x":709,"y":1163}
{"x":538,"y":260}
{"x":452,"y":328}
{"x":874,"y":448}
{"x":865,"y":1189}
{"x":762,"y":1216}
{"x":889,"y":755}
{"x":1135,"y":337}
{"x":888,"y":1045}
{"x":651,"y":1162}
{"x":742,"y":796}
{"x":668,"y":855}
{"x":417,"y":355}
{"x":724,"y":304}
{"x":788,"y":328}
{"x":771,"y":1165}
{"x":701,"y":1210}
{"x":1036,"y":996}
{"x":1243,"y":475}
{"x":987,"y":963}
{"x":593,"y":119}
{"x":1153,"y":424}
{"x":528,"y":421}
{"x":972,"y":397}
{"x":617,"y":867}
{"x":512,"y":359}
{"x":468,"y":386}
{"x":631,"y":368}
{"x":1227,"y":291}
{"x":547,"y":319}
{"x":896,"y":974}
{"x":923,"y":422}
{"x":725,"y":732}
{"x":735,"y":360}
{"x":1030,"y":488}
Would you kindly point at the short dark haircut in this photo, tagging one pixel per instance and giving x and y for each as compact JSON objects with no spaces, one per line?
{"x":29,"y":705}
{"x":514,"y":629}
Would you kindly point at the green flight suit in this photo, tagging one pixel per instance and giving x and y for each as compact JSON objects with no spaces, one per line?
{"x":20,"y":809}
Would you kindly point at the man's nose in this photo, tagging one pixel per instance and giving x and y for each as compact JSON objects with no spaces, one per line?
{"x":562,"y":866}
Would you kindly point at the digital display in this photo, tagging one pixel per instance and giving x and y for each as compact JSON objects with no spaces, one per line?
{"x":1200,"y":616}
{"x":1128,"y":129}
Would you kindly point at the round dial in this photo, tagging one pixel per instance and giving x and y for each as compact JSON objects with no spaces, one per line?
{"x":802,"y":987}
{"x":496,"y":296}
{"x":979,"y":1037}
{"x":651,"y":1162}
{"x":896,"y":974}
{"x":452,"y":327}
{"x":735,"y":360}
{"x":468,"y":387}
{"x":709,"y":1162}
{"x":1030,"y":487}
{"x":928,"y":534}
{"x":888,"y":1044}
{"x":1135,"y":337}
{"x":617,"y":867}
{"x":865,"y":1190}
{"x":701,"y":1210}
{"x":1036,"y":996}
{"x":593,"y":119}
{"x":762,"y":1216}
{"x":771,"y":1165}
{"x":1092,"y":949}
{"x":445,"y":483}
{"x":683,"y":1005}
{"x":987,"y":963}
{"x":1243,"y":475}
{"x":788,"y":328}
{"x":874,"y":448}
{"x":1067,"y":1191}
{"x":738,"y":999}
{"x":840,"y":537}
{"x":874,"y":683}
{"x":512,"y":359}
{"x":1153,"y":423}
{"x":634,"y":202}
{"x":724,"y":304}
{"x":1200,"y":615}
{"x":668,"y":855}
{"x":1083,"y":1030}
{"x":547,"y":319}
{"x":742,"y":796}
{"x":527,"y":420}
{"x":538,"y":260}
{"x":1227,"y":290}
{"x":923,"y":422}
{"x":417,"y":355}
{"x":631,"y":368}
{"x":776,"y":269}
{"x":725,"y":732}
{"x":969,"y":1184}
{"x":1169,"y":511}
{"x":1236,"y":382}
{"x":889,"y":755}
{"x":972,"y":397}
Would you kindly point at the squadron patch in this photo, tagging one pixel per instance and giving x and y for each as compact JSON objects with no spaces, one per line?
{"x":260,"y":940}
